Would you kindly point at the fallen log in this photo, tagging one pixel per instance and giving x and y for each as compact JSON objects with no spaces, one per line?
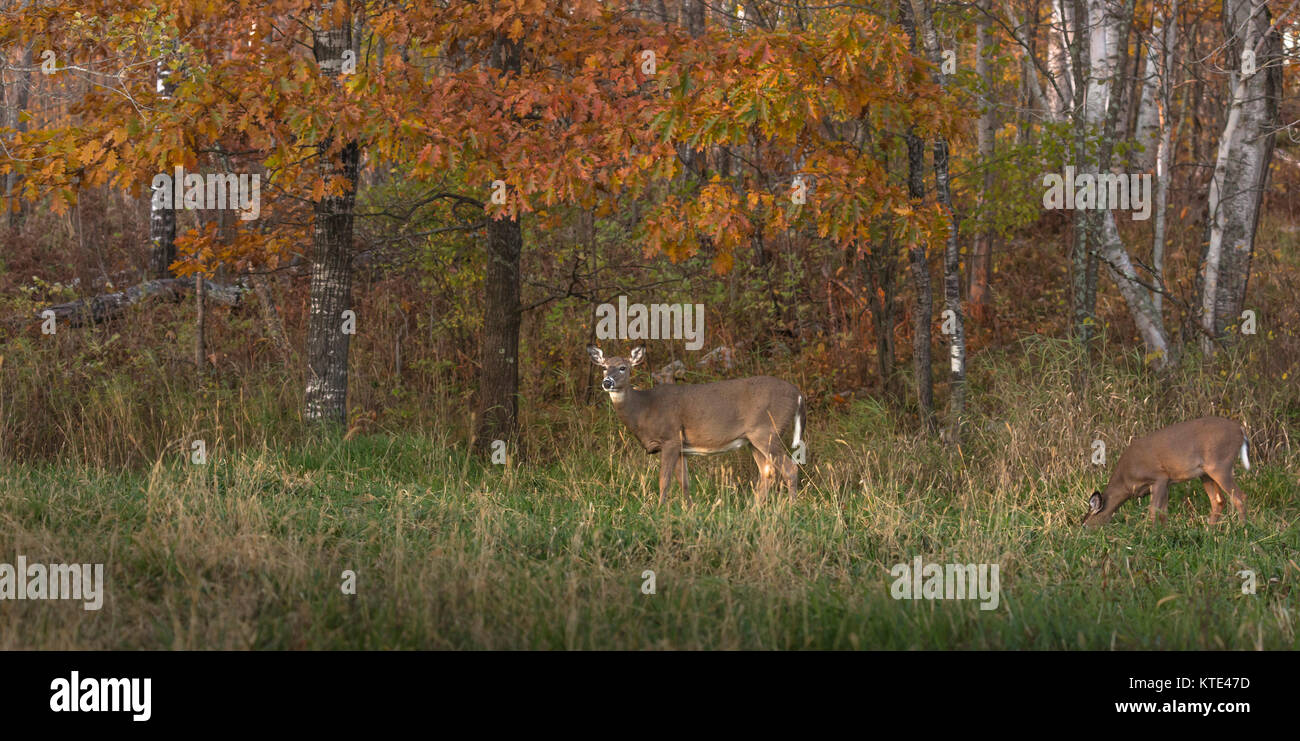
{"x":101,"y":308}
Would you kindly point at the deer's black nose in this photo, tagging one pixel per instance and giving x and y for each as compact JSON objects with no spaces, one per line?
{"x":607,"y":384}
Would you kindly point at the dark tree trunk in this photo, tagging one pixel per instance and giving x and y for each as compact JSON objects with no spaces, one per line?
{"x":1083,"y":261}
{"x":326,"y":397}
{"x":924,"y":312}
{"x":498,"y":409}
{"x":200,"y":324}
{"x":695,"y":16}
{"x":881,"y":269}
{"x":981,"y":275}
{"x":878,"y":265}
{"x":694,"y":163}
{"x":498,"y":405}
{"x":924,"y":309}
{"x":21,"y":91}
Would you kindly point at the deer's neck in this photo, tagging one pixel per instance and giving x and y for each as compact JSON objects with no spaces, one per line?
{"x":1122,"y":485}
{"x":630,"y":404}
{"x":628,"y":400}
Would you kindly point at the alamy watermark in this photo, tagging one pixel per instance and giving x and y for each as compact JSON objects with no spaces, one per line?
{"x":187,"y":191}
{"x":931,"y":581}
{"x":654,"y":322}
{"x":1099,"y":191}
{"x":75,"y":581}
{"x":76,"y":694}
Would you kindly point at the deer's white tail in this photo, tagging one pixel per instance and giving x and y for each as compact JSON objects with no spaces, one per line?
{"x":799,"y":417}
{"x":1245,"y":459}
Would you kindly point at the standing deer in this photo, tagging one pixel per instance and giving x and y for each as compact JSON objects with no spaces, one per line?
{"x":1204,"y":447}
{"x":675,"y":421}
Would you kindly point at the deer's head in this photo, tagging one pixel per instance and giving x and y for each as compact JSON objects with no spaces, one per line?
{"x":618,"y":371}
{"x":1102,"y":506}
{"x":1095,"y":506}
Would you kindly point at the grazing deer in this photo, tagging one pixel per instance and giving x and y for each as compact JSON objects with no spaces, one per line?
{"x":675,"y":421}
{"x":1202,"y":447}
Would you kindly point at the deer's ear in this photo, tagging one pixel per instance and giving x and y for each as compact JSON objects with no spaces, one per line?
{"x":1094,"y":502}
{"x":597,"y":356}
{"x":637,"y":356}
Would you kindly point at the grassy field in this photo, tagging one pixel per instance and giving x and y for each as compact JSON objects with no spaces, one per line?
{"x":248,"y":550}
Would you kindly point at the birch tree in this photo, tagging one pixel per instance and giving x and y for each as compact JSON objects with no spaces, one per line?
{"x":162,"y":217}
{"x":1241,"y":165}
{"x":954,"y":320}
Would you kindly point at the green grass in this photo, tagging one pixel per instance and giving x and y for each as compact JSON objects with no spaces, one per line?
{"x":248,"y":552}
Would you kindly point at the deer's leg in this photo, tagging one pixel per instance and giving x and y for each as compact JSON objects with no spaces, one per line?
{"x":1223,"y":477}
{"x":1159,"y":499}
{"x":789,"y":471}
{"x":1239,"y":501}
{"x":668,"y":458}
{"x":681,"y":475}
{"x":764,"y":463}
{"x":1215,"y":494}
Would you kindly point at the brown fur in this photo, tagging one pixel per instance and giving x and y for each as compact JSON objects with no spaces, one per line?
{"x":1205,"y":448}
{"x":677,"y":420}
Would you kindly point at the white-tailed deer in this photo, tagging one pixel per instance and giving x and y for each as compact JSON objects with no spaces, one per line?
{"x":1204,"y":447}
{"x":675,"y":421}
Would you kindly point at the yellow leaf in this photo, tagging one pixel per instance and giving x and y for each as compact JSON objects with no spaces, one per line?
{"x":89,"y":153}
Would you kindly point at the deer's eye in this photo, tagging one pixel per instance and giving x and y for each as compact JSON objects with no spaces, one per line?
{"x":623,"y":368}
